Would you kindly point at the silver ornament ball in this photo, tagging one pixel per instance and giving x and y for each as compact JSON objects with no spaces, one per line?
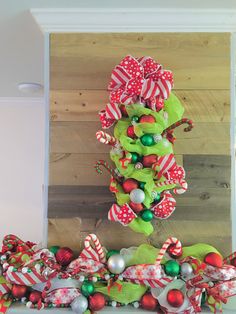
{"x":79,"y":305}
{"x":157,"y":138}
{"x":186,"y":269}
{"x":137,"y":196}
{"x":116,"y":264}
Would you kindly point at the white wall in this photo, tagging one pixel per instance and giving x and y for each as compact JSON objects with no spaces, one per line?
{"x":22,"y":142}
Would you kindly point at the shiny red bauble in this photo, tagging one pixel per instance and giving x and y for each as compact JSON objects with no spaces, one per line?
{"x":175,"y":297}
{"x":123,"y":111}
{"x":147,"y":118}
{"x":148,"y":302}
{"x":171,"y":251}
{"x":149,"y":160}
{"x":64,"y":256}
{"x":97,"y":301}
{"x":213,"y":259}
{"x":129,"y":185}
{"x":233,"y":262}
{"x":130,"y":132}
{"x":18,"y":291}
{"x":136,"y":207}
{"x":35,"y":296}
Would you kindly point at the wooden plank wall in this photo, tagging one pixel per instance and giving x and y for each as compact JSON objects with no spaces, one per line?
{"x":78,"y":198}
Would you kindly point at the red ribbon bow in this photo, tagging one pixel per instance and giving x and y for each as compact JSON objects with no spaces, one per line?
{"x":123,"y":214}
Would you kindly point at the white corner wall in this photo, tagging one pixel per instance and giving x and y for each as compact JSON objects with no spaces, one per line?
{"x":22,"y":142}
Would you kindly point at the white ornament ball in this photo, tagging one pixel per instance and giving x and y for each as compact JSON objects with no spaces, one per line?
{"x":137,"y":196}
{"x":186,"y":270}
{"x":157,"y":138}
{"x":113,"y":303}
{"x":79,"y":305}
{"x":116,"y":264}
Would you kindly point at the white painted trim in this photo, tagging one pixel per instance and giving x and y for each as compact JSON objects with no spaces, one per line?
{"x":21,"y":100}
{"x":135,"y":20}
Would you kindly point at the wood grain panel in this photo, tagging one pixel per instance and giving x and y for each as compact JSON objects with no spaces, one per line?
{"x":216,"y":233}
{"x":84,"y":61}
{"x":78,"y":169}
{"x":84,"y":105}
{"x":206,"y":138}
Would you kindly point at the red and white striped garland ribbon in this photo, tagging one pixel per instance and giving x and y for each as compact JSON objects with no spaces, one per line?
{"x":27,"y":279}
{"x":182,"y":183}
{"x":228,"y":259}
{"x":164,"y":163}
{"x":97,"y":253}
{"x":106,"y":138}
{"x":175,"y":251}
{"x":5,"y":287}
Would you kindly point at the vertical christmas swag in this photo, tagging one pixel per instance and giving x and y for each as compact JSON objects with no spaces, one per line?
{"x":145,"y":114}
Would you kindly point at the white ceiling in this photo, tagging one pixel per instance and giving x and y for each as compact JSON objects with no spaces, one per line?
{"x":21,"y":41}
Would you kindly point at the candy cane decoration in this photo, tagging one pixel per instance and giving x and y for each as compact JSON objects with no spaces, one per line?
{"x":182,"y":183}
{"x":97,"y":254}
{"x":106,"y":138}
{"x":11,"y":241}
{"x":176,"y":251}
{"x":228,"y":259}
{"x":178,"y":123}
{"x":112,"y":171}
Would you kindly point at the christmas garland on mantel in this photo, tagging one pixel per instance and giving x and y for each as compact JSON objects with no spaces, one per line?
{"x":174,"y":279}
{"x":145,"y":114}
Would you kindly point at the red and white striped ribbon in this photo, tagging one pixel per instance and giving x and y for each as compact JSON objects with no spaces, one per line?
{"x":96,"y":253}
{"x":27,"y":279}
{"x":228,"y":259}
{"x":106,"y":138}
{"x":176,"y":250}
{"x":164,"y":164}
{"x":113,"y":111}
{"x":5,"y":288}
{"x":182,"y":183}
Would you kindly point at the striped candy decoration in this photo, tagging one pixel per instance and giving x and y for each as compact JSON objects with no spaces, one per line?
{"x":177,"y":124}
{"x":177,"y":249}
{"x":97,"y":253}
{"x":112,"y":171}
{"x":106,"y":138}
{"x":27,"y":279}
{"x":182,"y":183}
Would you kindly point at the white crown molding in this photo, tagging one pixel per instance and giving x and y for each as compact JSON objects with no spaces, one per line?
{"x":135,"y":20}
{"x":21,"y":100}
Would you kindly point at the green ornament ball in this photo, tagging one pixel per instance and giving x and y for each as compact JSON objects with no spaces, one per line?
{"x":54,"y":249}
{"x":135,"y":118}
{"x":142,"y":185}
{"x":158,"y":197}
{"x":87,"y":288}
{"x":134,"y":158}
{"x":147,"y":140}
{"x":146,"y":215}
{"x":112,"y":252}
{"x":172,"y":268}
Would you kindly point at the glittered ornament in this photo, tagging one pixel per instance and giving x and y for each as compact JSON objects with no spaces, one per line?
{"x":18,"y":291}
{"x":175,"y":298}
{"x":64,"y":256}
{"x":35,"y":296}
{"x":138,"y":166}
{"x":130,"y":132}
{"x":112,"y":252}
{"x":147,"y":140}
{"x":79,"y":305}
{"x":123,"y":111}
{"x":116,"y":264}
{"x":134,"y":158}
{"x":157,"y":138}
{"x":186,"y":269}
{"x":157,"y":198}
{"x":147,"y":119}
{"x":172,"y":251}
{"x":97,"y":301}
{"x":148,"y":302}
{"x":54,"y":249}
{"x":149,"y":160}
{"x":137,"y":196}
{"x":136,"y":207}
{"x":146,"y":215}
{"x":135,"y":119}
{"x":172,"y":268}
{"x":213,"y":259}
{"x":129,"y":185}
{"x":87,"y":288}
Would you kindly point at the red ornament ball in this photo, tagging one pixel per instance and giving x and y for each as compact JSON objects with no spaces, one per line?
{"x":147,"y":118}
{"x":123,"y":111}
{"x":97,"y":301}
{"x":35,"y":297}
{"x":175,"y":297}
{"x":130,"y":132}
{"x":171,"y":250}
{"x":64,"y":256}
{"x":149,"y":160}
{"x":148,"y":302}
{"x":136,"y":207}
{"x":233,"y":262}
{"x":214,"y":259}
{"x":129,"y":185}
{"x":18,"y":291}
